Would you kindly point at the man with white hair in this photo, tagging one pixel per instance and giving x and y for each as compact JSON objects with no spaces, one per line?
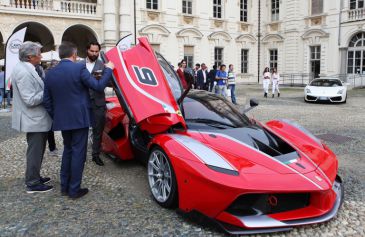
{"x":29,"y":115}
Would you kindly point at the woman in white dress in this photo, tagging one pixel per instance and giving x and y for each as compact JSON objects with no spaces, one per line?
{"x":266,"y":81}
{"x":275,"y":77}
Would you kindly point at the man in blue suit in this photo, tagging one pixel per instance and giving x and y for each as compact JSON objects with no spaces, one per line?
{"x":67,"y":100}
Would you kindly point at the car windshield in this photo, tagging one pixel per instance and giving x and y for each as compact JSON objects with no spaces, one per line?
{"x":171,"y":76}
{"x":326,"y":82}
{"x":212,"y":110}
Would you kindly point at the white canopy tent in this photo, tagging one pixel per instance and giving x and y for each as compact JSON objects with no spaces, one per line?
{"x":50,"y":55}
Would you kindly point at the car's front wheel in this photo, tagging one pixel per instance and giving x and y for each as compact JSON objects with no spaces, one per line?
{"x":161,"y":179}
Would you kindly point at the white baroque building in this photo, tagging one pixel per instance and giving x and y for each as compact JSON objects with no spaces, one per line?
{"x":299,"y":37}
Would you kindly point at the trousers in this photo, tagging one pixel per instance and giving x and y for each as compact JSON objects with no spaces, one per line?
{"x":73,"y":159}
{"x":98,"y":127}
{"x":265,"y":84}
{"x":275,"y":86}
{"x":35,"y":151}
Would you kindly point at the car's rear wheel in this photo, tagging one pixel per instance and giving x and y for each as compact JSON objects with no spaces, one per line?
{"x":161,"y":179}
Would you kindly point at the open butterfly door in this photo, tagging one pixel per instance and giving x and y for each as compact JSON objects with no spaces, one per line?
{"x":144,"y":89}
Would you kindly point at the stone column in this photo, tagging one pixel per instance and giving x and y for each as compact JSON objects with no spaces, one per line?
{"x":343,"y":60}
{"x":110,"y":23}
{"x":5,"y":2}
{"x":126,"y":18}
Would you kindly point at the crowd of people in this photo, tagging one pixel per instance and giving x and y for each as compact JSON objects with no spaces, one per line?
{"x":68,"y":97}
{"x":217,"y":81}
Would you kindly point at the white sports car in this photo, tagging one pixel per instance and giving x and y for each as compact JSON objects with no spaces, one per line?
{"x":326,"y":90}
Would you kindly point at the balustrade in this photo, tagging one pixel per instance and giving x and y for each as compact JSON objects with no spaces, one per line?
{"x":66,"y":6}
{"x":78,"y":7}
{"x":356,"y":14}
{"x":32,"y":4}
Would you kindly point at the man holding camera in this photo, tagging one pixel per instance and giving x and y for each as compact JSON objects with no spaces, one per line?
{"x":95,"y":66}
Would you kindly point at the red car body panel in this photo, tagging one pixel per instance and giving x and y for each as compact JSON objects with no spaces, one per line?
{"x":119,"y":145}
{"x":319,"y":154}
{"x":154,"y":110}
{"x":145,"y":89}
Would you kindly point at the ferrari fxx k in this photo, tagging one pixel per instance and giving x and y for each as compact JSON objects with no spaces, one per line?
{"x":204,"y":155}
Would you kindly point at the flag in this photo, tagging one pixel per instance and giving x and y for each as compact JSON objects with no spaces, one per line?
{"x":125,"y":43}
{"x":12,"y":54}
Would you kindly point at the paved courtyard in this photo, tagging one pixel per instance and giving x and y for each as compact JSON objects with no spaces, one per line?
{"x":119,"y":202}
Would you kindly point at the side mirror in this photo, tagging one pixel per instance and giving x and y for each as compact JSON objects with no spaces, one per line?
{"x":253,"y":103}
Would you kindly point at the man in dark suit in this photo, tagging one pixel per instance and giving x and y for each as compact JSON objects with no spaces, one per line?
{"x":202,"y":78}
{"x":95,"y":66}
{"x":67,"y":100}
{"x":211,"y":77}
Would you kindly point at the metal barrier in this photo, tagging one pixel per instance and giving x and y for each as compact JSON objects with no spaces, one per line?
{"x":296,"y":79}
{"x":354,"y":80}
{"x":302,"y":79}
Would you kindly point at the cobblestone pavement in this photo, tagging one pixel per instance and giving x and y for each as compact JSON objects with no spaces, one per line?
{"x":119,"y":203}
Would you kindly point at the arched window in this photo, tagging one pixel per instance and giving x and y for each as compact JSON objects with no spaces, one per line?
{"x":356,"y":54}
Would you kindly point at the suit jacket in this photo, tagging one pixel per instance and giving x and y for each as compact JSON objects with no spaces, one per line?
{"x":66,"y":94}
{"x":211,"y":75}
{"x":29,"y":115}
{"x":97,"y":97}
{"x":200,"y":79}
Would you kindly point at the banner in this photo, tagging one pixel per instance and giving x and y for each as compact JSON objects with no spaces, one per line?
{"x":12,"y":54}
{"x":125,"y":43}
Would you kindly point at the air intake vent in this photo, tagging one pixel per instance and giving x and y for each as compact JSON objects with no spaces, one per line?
{"x":263,"y":204}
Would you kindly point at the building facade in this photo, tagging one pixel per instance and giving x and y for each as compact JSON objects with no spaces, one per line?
{"x":319,"y":37}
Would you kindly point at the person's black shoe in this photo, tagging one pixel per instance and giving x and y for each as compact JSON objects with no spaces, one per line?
{"x":45,"y":180}
{"x":273,"y":95}
{"x":278,"y":94}
{"x":39,"y":188}
{"x":98,"y":161}
{"x":265,"y":95}
{"x":64,"y":193}
{"x":82,"y":192}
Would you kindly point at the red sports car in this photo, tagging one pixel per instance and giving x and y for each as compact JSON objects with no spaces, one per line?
{"x":203,"y":155}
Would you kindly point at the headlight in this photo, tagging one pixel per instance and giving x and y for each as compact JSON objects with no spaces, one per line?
{"x":307,"y":90}
{"x":340,"y":92}
{"x":223,"y":170}
{"x":205,"y":154}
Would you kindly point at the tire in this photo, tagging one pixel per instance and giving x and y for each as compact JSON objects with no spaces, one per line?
{"x":162,"y":179}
